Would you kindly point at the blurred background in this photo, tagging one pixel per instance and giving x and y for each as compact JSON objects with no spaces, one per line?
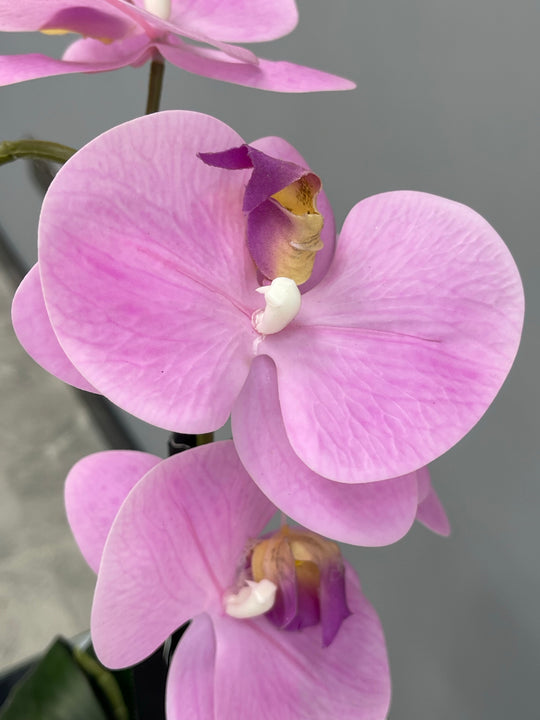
{"x":448,"y":102}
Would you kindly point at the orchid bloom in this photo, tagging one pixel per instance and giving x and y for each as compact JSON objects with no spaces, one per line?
{"x":280,"y":626}
{"x":116,"y":33}
{"x":156,"y":270}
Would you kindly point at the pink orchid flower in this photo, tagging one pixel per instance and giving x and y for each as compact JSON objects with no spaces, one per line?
{"x":280,"y":626}
{"x":155,"y":269}
{"x":117,"y":33}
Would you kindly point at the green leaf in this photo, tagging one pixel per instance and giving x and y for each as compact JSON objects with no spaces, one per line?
{"x":56,"y":689}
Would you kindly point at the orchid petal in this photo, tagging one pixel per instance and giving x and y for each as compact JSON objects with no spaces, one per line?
{"x":174,"y":549}
{"x":145,"y":272}
{"x":190,"y":680}
{"x":414,"y":329}
{"x":35,"y":14}
{"x":279,"y":148}
{"x":278,"y":76}
{"x":157,"y":27}
{"x":17,"y":68}
{"x":95,"y":489}
{"x":132,"y":50}
{"x":263,"y":672}
{"x":431,"y":512}
{"x":35,"y":333}
{"x":89,"y":22}
{"x":370,"y":514}
{"x":238,"y":20}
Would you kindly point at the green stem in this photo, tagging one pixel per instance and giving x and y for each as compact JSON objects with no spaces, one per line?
{"x":41,"y":149}
{"x":205,"y":438}
{"x":155,"y":83}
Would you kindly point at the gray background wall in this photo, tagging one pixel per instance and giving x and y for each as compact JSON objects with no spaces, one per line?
{"x":448,"y":102}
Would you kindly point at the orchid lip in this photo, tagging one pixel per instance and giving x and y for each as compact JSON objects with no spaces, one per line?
{"x":283,"y":302}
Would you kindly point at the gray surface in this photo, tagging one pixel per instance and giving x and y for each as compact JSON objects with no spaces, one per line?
{"x":448,"y":102}
{"x":45,"y":586}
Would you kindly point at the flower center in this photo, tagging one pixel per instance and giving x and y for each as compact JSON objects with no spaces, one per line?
{"x":159,"y":8}
{"x":297,"y":579}
{"x":283,"y":302}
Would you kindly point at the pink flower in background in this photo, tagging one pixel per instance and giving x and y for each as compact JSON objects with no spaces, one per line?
{"x":280,"y":628}
{"x":117,"y":33}
{"x":393,"y":349}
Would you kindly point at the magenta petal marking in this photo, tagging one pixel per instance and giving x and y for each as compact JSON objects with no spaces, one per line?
{"x":370,"y":514}
{"x":173,"y":550}
{"x":95,"y":489}
{"x":35,"y":333}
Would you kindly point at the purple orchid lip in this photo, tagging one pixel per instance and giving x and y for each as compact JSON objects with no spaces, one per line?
{"x":284,"y":225}
{"x":309,"y":574}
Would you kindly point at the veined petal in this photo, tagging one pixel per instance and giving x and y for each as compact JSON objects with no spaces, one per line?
{"x":174,"y":549}
{"x":414,"y":329}
{"x":237,"y":20}
{"x":145,"y":273}
{"x":263,"y":672}
{"x":95,"y":489}
{"x":278,"y":76}
{"x":35,"y":333}
{"x":361,"y":514}
{"x":190,"y":680}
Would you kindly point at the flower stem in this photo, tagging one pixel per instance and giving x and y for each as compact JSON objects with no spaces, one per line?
{"x":155,"y":82}
{"x":41,"y":149}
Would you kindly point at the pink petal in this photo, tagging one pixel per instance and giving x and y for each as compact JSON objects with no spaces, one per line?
{"x":279,"y":76}
{"x":265,"y":673}
{"x":190,"y":682}
{"x":238,"y":20}
{"x":95,"y":489}
{"x":156,"y":28}
{"x":174,"y":549}
{"x":362,"y":514}
{"x":133,"y":50}
{"x":17,"y":68}
{"x":35,"y":333}
{"x":145,"y":272}
{"x":277,"y":147}
{"x":414,"y":329}
{"x":28,"y":15}
{"x":431,"y":512}
{"x":81,"y":56}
